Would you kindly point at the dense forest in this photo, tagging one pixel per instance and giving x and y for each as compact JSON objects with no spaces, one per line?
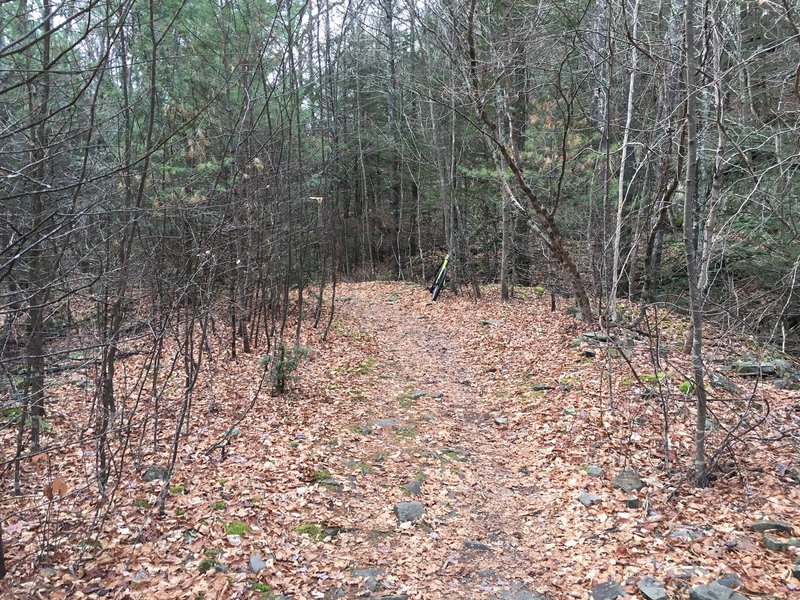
{"x":182,"y":170}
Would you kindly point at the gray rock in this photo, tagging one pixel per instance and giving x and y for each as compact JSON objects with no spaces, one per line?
{"x":633,"y":502}
{"x":500,"y":420}
{"x":620,"y":352}
{"x":652,"y":589}
{"x":413,"y":488}
{"x":687,"y":572}
{"x":390,"y":422}
{"x":767,"y":525}
{"x":714,"y":591}
{"x":689,"y":533}
{"x":628,"y":481}
{"x":417,"y":394}
{"x":476,"y":545}
{"x":331,"y":484}
{"x":781,"y":384}
{"x":610,"y":590}
{"x":731,"y":580}
{"x":723,"y":383}
{"x":370,"y":576}
{"x":409,"y":511}
{"x":753,"y":369}
{"x":366,"y":572}
{"x":154,"y":472}
{"x":594,"y":471}
{"x":396,"y":597}
{"x":775,"y":544}
{"x":796,"y":571}
{"x":596,"y":336}
{"x":456,"y":453}
{"x":518,"y":592}
{"x":541,"y":387}
{"x":490,"y":322}
{"x":783,"y":367}
{"x":587,"y":499}
{"x":256,"y":563}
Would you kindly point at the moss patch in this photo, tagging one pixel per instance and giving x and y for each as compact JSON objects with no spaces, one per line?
{"x":237,"y":528}
{"x":322,"y":475}
{"x":313,"y":530}
{"x":407,"y":433}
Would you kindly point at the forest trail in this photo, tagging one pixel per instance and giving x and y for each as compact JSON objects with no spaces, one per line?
{"x":487,"y":415}
{"x":454,"y":427}
{"x":439,"y":402}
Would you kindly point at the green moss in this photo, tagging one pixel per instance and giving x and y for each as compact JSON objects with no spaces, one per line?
{"x":361,"y":368}
{"x":687,"y":387}
{"x":361,"y":467}
{"x":179,"y":512}
{"x":405,"y":433}
{"x":177,"y":489}
{"x":380,"y":535}
{"x":140,"y":503}
{"x":211,"y":564}
{"x":455,"y":454}
{"x":219,"y":505}
{"x":312,"y":530}
{"x":237,"y":528}
{"x":264,"y":590}
{"x":322,"y":475}
{"x":405,"y":400}
{"x":653,"y":377}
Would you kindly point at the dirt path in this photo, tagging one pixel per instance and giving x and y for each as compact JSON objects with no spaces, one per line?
{"x":447,"y":412}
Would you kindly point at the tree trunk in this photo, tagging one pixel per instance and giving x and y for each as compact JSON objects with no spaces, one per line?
{"x":690,"y":241}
